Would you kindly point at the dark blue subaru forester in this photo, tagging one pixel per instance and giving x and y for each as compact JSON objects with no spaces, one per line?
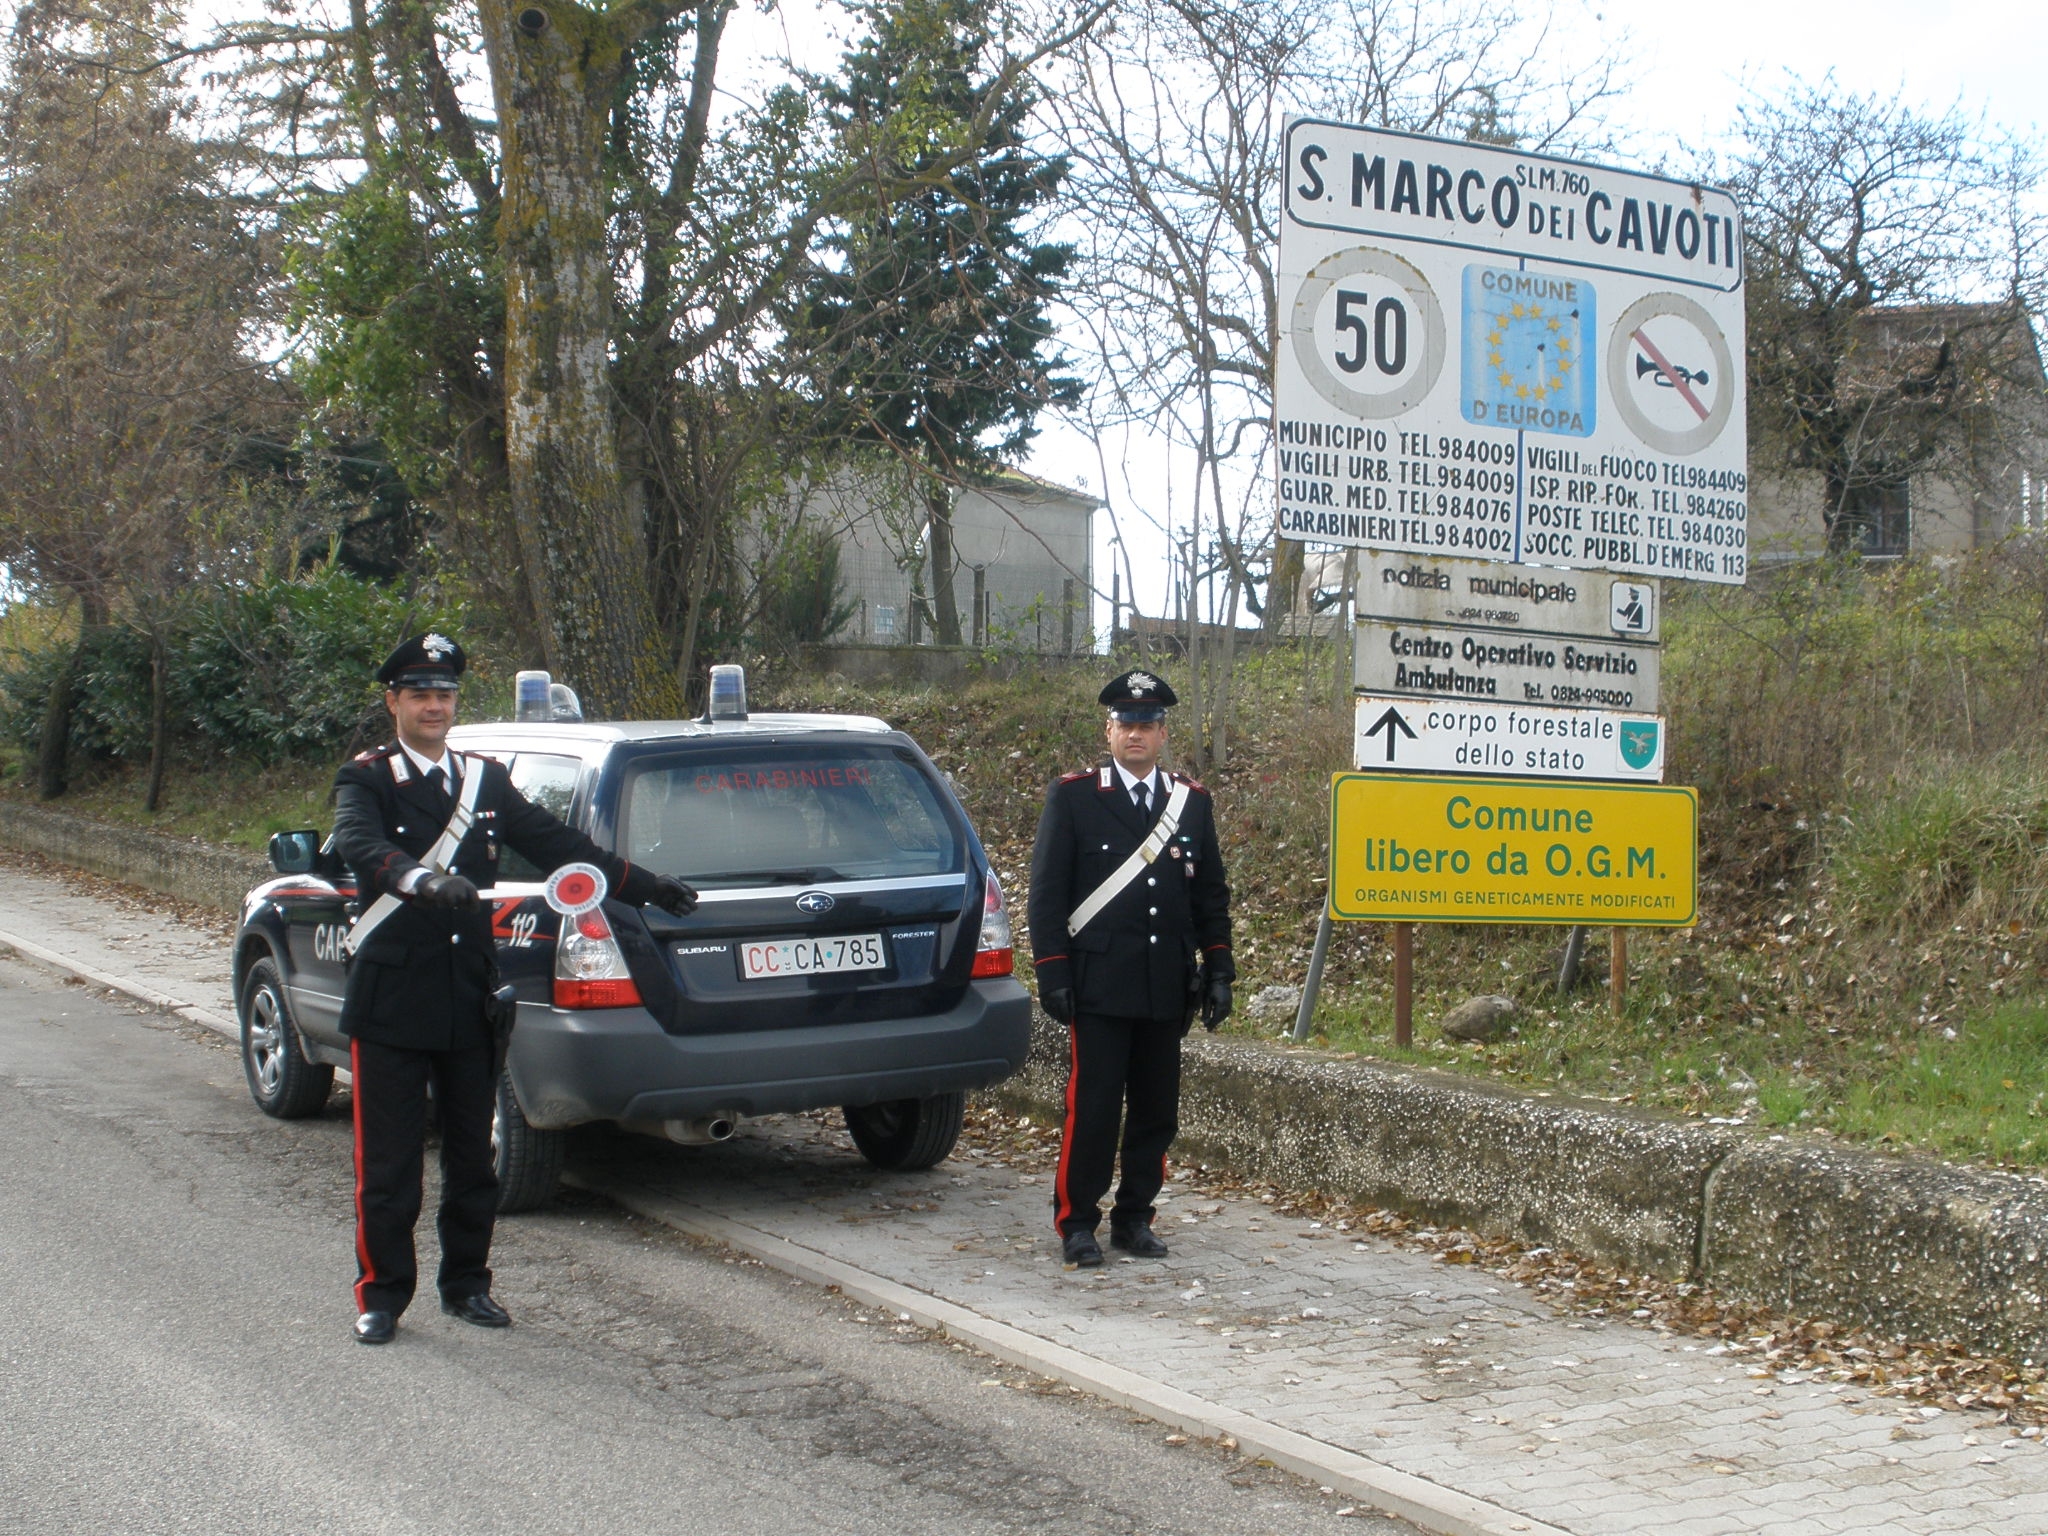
{"x":851,"y":946}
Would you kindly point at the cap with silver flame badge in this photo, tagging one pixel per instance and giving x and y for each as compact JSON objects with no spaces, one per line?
{"x":424,"y":661}
{"x":1137,"y":697}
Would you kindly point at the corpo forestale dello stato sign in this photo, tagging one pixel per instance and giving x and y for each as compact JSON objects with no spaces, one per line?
{"x":1506,"y":356}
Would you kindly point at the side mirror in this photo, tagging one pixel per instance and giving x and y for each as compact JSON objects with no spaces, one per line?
{"x":294,"y":853}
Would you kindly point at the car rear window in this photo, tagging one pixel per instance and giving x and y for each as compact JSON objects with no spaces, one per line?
{"x":550,"y":783}
{"x":786,"y":814}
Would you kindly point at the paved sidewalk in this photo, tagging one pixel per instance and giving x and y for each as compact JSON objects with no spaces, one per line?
{"x":1441,"y":1372}
{"x":112,"y":936}
{"x":1440,"y":1391}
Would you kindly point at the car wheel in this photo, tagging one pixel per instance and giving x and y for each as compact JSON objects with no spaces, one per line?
{"x":908,"y":1134}
{"x":528,"y":1159}
{"x":282,"y":1081}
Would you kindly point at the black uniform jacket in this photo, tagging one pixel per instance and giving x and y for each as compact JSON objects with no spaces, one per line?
{"x":1137,"y":957}
{"x":420,"y":979}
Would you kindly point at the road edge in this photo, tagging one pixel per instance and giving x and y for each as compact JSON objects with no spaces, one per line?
{"x":1429,"y":1505}
{"x":128,"y":986}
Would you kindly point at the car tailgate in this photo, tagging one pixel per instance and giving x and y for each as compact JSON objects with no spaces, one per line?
{"x":754,"y":959}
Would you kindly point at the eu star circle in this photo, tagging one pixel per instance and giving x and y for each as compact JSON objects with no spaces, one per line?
{"x":1368,"y":332}
{"x":1671,"y":373}
{"x":1528,"y":353}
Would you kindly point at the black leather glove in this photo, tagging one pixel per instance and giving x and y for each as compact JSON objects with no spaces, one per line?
{"x":1058,"y":1003}
{"x":451,"y":893}
{"x":674,"y":897}
{"x":1215,"y":1003}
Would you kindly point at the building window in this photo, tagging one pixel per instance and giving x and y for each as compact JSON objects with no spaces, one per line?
{"x":1875,"y":520}
{"x":885,"y":620}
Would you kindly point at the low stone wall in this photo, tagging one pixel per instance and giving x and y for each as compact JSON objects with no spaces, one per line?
{"x":183,"y":867}
{"x":1909,"y":1247}
{"x":1902,"y":1245}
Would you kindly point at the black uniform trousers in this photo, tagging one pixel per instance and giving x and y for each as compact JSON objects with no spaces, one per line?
{"x":1122,"y":1069}
{"x":390,"y":1094}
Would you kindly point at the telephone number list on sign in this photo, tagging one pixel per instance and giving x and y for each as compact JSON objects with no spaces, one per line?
{"x":1422,"y":493}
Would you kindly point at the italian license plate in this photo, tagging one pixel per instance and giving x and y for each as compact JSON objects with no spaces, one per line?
{"x":770,"y":958}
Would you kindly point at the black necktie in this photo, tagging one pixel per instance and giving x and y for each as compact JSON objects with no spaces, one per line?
{"x":438,"y":782}
{"x":1140,"y":793}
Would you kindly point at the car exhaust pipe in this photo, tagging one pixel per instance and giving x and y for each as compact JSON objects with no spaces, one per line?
{"x":701,"y":1130}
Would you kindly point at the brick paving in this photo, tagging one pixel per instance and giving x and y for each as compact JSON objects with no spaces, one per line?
{"x":1444,"y":1372}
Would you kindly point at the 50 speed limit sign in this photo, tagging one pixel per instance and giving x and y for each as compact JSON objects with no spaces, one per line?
{"x":1368,"y":332}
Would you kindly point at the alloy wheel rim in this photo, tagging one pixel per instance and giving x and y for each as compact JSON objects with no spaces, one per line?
{"x":266,"y":1041}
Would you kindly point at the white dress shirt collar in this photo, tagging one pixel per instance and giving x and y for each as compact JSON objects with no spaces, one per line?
{"x":446,"y":763}
{"x":1131,"y":782}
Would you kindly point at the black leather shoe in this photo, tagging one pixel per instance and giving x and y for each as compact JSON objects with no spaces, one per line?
{"x":1138,"y":1242}
{"x":376,"y":1327}
{"x":1081,"y":1251}
{"x":478,"y":1309}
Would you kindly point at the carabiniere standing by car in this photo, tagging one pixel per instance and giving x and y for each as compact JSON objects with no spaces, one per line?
{"x":421,"y":826}
{"x":1130,"y":927}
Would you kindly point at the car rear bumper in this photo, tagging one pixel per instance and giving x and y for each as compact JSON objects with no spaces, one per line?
{"x":570,"y":1067}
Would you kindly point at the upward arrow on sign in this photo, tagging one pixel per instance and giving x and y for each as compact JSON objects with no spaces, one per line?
{"x":1390,"y":722}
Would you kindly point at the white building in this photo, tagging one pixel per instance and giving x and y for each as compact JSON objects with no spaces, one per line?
{"x":1024,"y":577}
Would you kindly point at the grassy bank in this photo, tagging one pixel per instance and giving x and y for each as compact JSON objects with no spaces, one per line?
{"x":1870,"y":961}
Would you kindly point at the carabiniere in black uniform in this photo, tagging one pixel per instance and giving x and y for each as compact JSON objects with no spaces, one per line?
{"x":414,"y":1005}
{"x":1128,"y":983}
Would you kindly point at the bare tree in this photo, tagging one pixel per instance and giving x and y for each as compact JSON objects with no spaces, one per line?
{"x":1895,"y":259}
{"x":129,"y":285}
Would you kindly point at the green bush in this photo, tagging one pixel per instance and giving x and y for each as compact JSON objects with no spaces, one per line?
{"x":110,"y":713}
{"x":283,"y":668}
{"x":288,"y":668}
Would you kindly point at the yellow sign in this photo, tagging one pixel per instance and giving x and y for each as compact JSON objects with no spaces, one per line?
{"x":1428,"y":848}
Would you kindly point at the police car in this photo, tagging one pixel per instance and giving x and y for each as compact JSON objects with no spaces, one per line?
{"x":850,"y":947}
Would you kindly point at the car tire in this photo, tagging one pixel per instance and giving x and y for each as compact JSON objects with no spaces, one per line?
{"x":284,"y":1084}
{"x":905,"y":1135}
{"x":528,"y":1159}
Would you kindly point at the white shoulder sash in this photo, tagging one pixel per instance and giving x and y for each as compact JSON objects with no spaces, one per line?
{"x":1154,"y":844}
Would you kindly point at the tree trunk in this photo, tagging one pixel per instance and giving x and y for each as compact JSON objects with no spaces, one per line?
{"x":53,"y":746}
{"x":586,"y":562}
{"x":1283,"y":594}
{"x":938,"y":502}
{"x":159,"y":723}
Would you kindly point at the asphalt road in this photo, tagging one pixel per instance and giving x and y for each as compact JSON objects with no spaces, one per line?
{"x":175,"y":1353}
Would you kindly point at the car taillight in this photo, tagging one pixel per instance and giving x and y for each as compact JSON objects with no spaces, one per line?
{"x":994,"y":955}
{"x":590,"y":968}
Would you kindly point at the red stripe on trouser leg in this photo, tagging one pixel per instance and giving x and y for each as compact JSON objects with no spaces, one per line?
{"x":365,"y":1270}
{"x":1063,"y":1207}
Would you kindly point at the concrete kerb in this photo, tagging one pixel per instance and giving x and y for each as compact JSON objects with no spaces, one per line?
{"x":128,"y":986}
{"x":1427,"y":1504}
{"x":1909,"y":1247}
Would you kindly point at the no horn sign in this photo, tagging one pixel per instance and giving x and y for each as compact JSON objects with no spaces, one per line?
{"x":1483,"y":850}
